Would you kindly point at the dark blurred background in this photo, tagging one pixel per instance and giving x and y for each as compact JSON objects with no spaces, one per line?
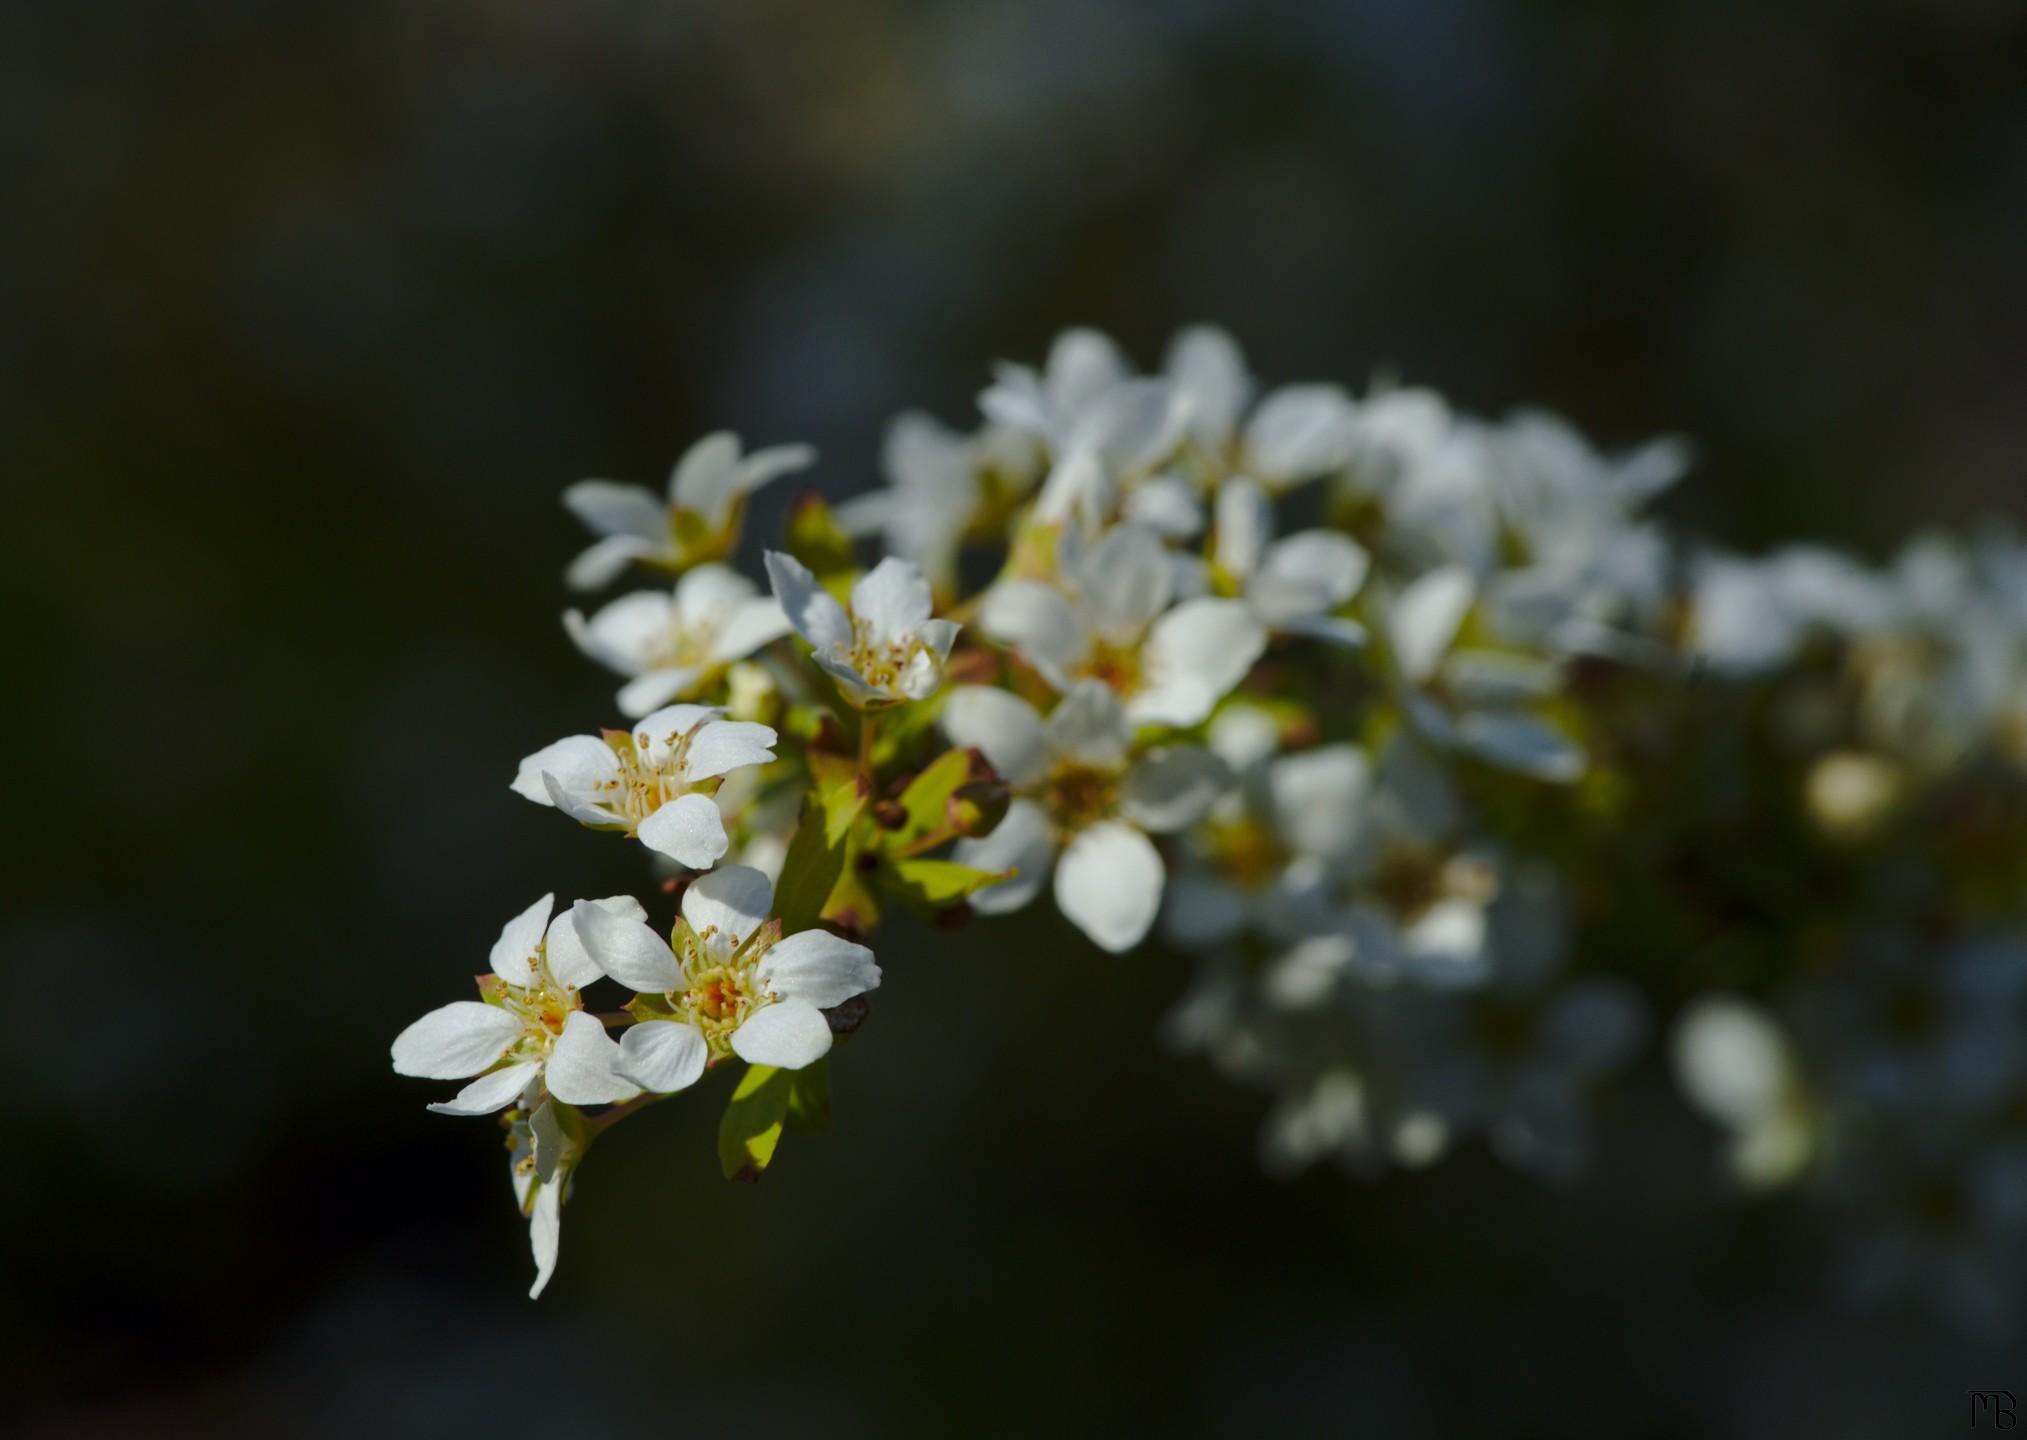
{"x":307,"y":313}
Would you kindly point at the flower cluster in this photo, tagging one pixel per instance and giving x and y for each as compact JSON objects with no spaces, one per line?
{"x":1451,"y":778}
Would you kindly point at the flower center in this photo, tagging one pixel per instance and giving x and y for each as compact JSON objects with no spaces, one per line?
{"x":1116,"y":666}
{"x":645,"y":782}
{"x":881,"y":662}
{"x":542,"y":1008}
{"x":1246,"y":851}
{"x":1078,"y":796}
{"x":720,"y":987}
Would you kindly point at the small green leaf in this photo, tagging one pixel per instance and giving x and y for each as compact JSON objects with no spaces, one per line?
{"x":809,"y":1097}
{"x":841,"y":807}
{"x":751,"y":1127}
{"x":941,"y":882}
{"x":816,"y":856}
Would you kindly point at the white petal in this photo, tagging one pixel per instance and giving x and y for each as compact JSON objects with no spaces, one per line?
{"x":662,"y":1055}
{"x":607,"y":508}
{"x":1036,"y":619}
{"x":653,"y":689}
{"x":1331,"y":629}
{"x":1083,"y":364}
{"x":1319,"y":797}
{"x":1108,"y":884}
{"x":657,"y":733}
{"x":568,"y":960}
{"x":489,"y":1093}
{"x":1206,"y":367}
{"x":1245,"y":523}
{"x":1307,"y":574}
{"x":579,"y":764}
{"x":817,"y":966}
{"x":704,"y":478}
{"x":1425,"y":617}
{"x":1126,"y":580}
{"x":1300,"y":431}
{"x":627,"y":949}
{"x":513,"y":955}
{"x":752,"y":624}
{"x":1193,"y":657}
{"x":454,"y":1041}
{"x":622,"y":635}
{"x":1089,"y":726}
{"x":707,"y":593}
{"x":1200,"y":910}
{"x":579,"y":1071}
{"x":891,"y":600}
{"x":1132,"y":426}
{"x":811,"y":609}
{"x":1173,"y":787}
{"x":600,"y":563}
{"x":689,"y":830}
{"x":545,"y":1234}
{"x":1020,"y":842}
{"x":861,"y":695}
{"x":1079,"y":487}
{"x":763,"y":467}
{"x":1002,"y":727}
{"x":789,"y":1034}
{"x":1167,"y":505}
{"x":1523,"y":744}
{"x":584,"y":809}
{"x":733,"y":902}
{"x":722,"y":746}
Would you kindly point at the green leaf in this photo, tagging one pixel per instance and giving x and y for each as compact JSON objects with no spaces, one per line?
{"x":816,"y":856}
{"x":809,"y":1097}
{"x":751,"y":1127}
{"x":925,"y":803}
{"x":940,"y":882}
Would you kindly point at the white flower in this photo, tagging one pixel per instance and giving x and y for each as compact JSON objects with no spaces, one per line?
{"x":1294,"y":583}
{"x":654,"y":781}
{"x":1296,"y":433}
{"x":732,"y":985}
{"x":531,"y":1025}
{"x":698,"y":520}
{"x":1078,"y":790}
{"x":941,"y":487}
{"x":1468,"y":698}
{"x":1087,"y":403}
{"x":542,"y":1162}
{"x":886,"y":648}
{"x":1114,"y":624}
{"x":675,"y":645}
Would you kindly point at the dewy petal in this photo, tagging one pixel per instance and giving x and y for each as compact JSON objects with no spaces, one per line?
{"x":1038,"y":621}
{"x":513,"y":955}
{"x":1108,"y":883}
{"x":662,"y":1055}
{"x":703,"y":479}
{"x":722,"y":746}
{"x":1193,"y":657}
{"x":1425,"y":618}
{"x":732,"y":901}
{"x":891,"y":600}
{"x":1245,"y":523}
{"x":1089,"y":726}
{"x":1002,"y":727}
{"x":455,"y":1041}
{"x":819,"y":967}
{"x":1173,"y":787}
{"x":1020,"y":842}
{"x":568,"y":960}
{"x":689,"y":830}
{"x":489,"y":1093}
{"x":579,"y":763}
{"x":1126,"y":580}
{"x":600,"y":564}
{"x":627,"y":949}
{"x":789,"y":1034}
{"x":579,"y":1071}
{"x":811,"y":609}
{"x":609,"y":508}
{"x":751,"y":624}
{"x":1307,"y":574}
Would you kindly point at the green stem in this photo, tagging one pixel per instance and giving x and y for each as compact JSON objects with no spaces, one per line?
{"x":869,"y":731}
{"x":599,"y":1124}
{"x":926,"y":842}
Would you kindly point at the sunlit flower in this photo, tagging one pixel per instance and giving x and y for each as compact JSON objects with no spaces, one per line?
{"x":1081,"y":792}
{"x":732,"y":984}
{"x":886,"y":648}
{"x":530,"y":1026}
{"x":676,"y":645}
{"x":654,"y":781}
{"x":698,"y":520}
